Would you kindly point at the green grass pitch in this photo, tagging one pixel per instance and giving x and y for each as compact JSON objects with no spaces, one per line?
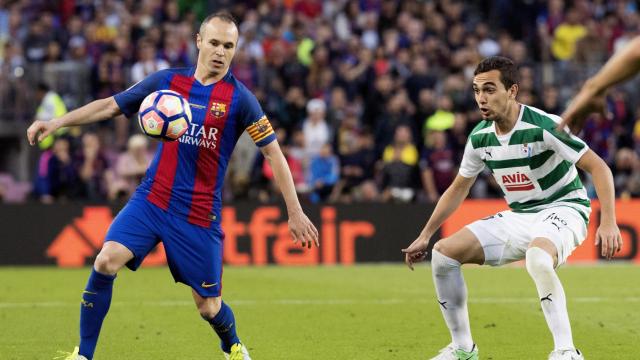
{"x":359,"y":312}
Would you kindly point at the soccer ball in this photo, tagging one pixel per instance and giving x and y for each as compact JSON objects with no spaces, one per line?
{"x":164,"y":115}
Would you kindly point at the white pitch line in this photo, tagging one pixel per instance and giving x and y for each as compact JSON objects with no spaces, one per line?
{"x":248,"y":302}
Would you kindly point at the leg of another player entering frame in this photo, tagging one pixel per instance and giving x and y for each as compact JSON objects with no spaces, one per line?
{"x":541,"y":259}
{"x":447,"y":257}
{"x":96,"y":298}
{"x":220,"y":316}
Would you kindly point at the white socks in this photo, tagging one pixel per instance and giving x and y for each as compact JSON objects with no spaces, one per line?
{"x":452,"y":296}
{"x":552,"y":299}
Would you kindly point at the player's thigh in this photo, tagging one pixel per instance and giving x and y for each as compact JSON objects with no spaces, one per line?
{"x":462,"y":246}
{"x":137,"y":227}
{"x":503,"y":237}
{"x":194,"y":255}
{"x":561,"y":227}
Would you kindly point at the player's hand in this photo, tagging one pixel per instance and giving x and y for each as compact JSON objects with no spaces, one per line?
{"x":608,"y":235}
{"x":302,"y":230}
{"x":40,"y":130}
{"x":416,"y":252}
{"x":580,"y":108}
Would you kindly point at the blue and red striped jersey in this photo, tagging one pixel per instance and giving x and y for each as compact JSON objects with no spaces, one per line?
{"x":186,"y":176}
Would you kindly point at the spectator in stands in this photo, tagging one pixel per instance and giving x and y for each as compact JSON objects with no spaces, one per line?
{"x":399,"y":172}
{"x":338,"y":107}
{"x":129,"y":169}
{"x":148,"y":61}
{"x":567,"y":34}
{"x":315,"y":128}
{"x":111,"y":77}
{"x":51,"y":106}
{"x":626,"y":170}
{"x":592,"y":48}
{"x":438,"y":166}
{"x":35,"y":45}
{"x":324,"y":172}
{"x":357,"y":167}
{"x":61,"y":177}
{"x":398,"y":112}
{"x":174,"y":53}
{"x":294,"y":113}
{"x":91,"y":165}
{"x":550,"y":100}
{"x":443,"y":118}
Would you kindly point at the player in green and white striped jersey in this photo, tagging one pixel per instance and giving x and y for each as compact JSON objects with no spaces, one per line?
{"x":535,"y":165}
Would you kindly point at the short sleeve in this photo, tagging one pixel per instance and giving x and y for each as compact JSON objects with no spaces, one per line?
{"x":256,"y":122}
{"x":129,"y":100}
{"x":471,"y":164}
{"x":568,"y":146}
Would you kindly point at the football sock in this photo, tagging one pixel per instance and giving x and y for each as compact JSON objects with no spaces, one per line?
{"x":224,"y":324}
{"x":96,"y":299}
{"x":552,"y":298}
{"x":452,"y":296}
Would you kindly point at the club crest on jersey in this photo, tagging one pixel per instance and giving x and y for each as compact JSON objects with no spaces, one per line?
{"x":517,"y":182}
{"x":527,"y":150}
{"x":218,"y":109}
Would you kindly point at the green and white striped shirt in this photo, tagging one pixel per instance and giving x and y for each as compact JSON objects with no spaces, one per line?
{"x":534,"y":164}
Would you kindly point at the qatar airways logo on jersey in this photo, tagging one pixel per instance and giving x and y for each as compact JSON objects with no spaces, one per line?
{"x":200,"y":136}
{"x":517,"y":182}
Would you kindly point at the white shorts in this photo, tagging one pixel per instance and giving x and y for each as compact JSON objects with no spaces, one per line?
{"x":505,"y":236}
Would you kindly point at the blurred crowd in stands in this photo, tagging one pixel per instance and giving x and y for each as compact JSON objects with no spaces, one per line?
{"x":371,"y":98}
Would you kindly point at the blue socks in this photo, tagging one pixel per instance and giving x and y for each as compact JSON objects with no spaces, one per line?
{"x":96,"y":299}
{"x":224,"y":324}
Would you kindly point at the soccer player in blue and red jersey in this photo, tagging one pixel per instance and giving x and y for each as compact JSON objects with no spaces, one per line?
{"x":179,"y":200}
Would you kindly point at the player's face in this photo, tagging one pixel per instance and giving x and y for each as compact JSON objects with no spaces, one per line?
{"x":217,"y":45}
{"x":492,"y":97}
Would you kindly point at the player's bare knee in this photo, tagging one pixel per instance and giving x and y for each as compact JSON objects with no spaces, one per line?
{"x":441,"y":247}
{"x":209,"y":307}
{"x":106,"y":264}
{"x":446,"y":248}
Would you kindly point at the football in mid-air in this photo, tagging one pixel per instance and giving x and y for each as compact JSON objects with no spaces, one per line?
{"x":164,"y":115}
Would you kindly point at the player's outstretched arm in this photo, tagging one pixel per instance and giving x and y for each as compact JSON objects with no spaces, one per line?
{"x":608,"y":233}
{"x":591,"y":98}
{"x":448,"y":203}
{"x":94,"y":111}
{"x":300,"y":226}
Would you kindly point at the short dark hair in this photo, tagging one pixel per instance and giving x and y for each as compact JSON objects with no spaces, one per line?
{"x":223,"y":15}
{"x":43,"y":86}
{"x":508,"y":70}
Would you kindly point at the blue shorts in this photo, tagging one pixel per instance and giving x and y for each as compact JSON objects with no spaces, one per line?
{"x":194,"y":253}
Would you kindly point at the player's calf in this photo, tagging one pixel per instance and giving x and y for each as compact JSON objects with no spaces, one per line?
{"x":220,"y":316}
{"x":552,"y":298}
{"x":452,"y":297}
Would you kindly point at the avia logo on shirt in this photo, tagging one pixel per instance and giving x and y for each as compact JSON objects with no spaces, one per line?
{"x":200,"y":136}
{"x":517,"y":182}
